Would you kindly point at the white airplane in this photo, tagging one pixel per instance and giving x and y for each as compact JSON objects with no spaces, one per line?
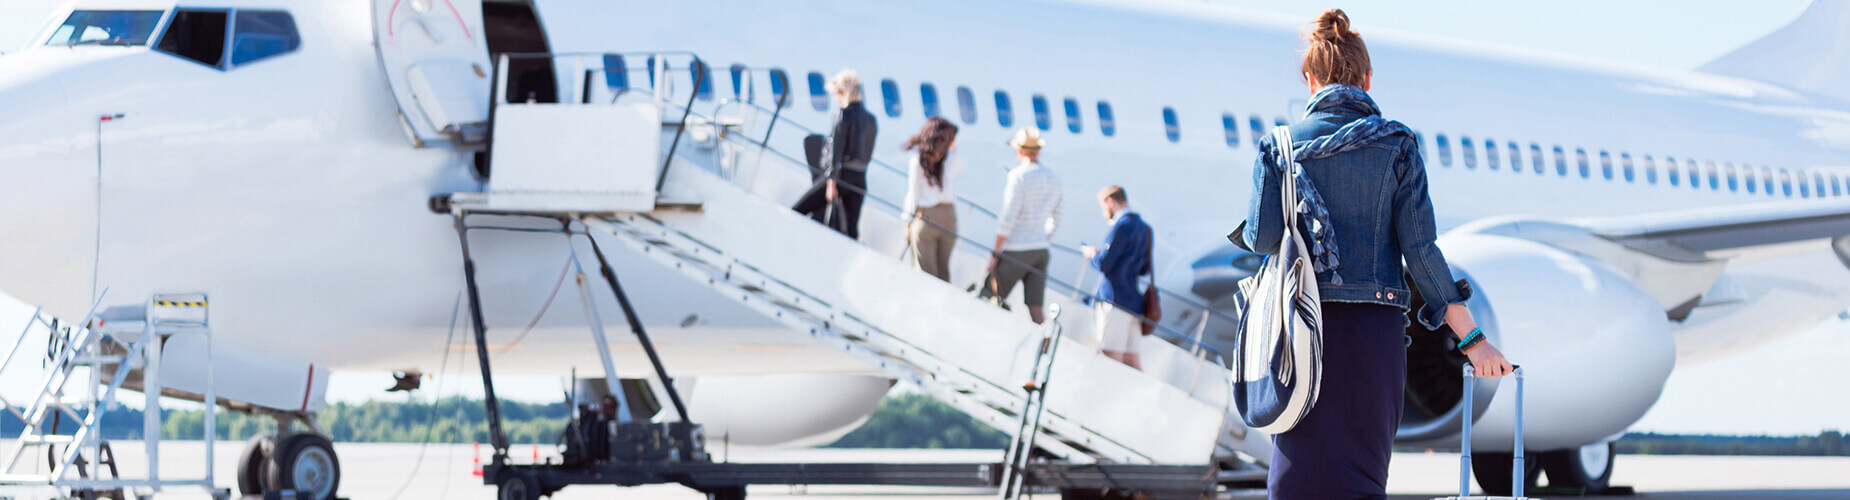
{"x":1615,"y":221}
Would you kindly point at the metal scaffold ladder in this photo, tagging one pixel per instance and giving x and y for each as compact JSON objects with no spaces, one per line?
{"x":85,"y":369}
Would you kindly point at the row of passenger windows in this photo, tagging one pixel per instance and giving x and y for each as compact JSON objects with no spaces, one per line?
{"x":1496,"y":155}
{"x":1675,"y":173}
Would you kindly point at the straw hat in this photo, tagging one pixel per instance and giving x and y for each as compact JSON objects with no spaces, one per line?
{"x":1027,"y":138}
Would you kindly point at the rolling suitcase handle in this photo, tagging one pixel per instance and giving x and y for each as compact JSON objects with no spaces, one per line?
{"x":1517,"y":479}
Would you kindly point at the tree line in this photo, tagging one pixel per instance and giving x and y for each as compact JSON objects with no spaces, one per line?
{"x":903,"y":420}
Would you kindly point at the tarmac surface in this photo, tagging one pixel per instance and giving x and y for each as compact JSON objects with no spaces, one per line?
{"x":412,"y":471}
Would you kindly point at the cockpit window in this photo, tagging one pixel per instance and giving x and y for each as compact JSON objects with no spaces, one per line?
{"x":106,"y":27}
{"x":261,"y":34}
{"x":196,"y":35}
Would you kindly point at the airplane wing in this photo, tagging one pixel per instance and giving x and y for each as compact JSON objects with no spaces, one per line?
{"x":1676,"y":256}
{"x":1732,"y":232}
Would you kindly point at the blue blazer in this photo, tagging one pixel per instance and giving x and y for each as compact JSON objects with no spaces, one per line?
{"x":1125,"y":256}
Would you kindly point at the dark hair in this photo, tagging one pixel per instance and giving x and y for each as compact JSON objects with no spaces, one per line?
{"x":934,"y":144}
{"x":1336,"y":53}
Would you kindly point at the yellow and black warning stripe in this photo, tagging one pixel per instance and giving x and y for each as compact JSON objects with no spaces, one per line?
{"x":173,"y":303}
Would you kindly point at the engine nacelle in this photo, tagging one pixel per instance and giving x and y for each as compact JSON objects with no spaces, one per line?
{"x":1595,"y":349}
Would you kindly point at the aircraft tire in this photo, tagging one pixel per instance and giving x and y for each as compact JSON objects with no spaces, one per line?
{"x":1492,"y":471}
{"x":1588,"y":467}
{"x":251,"y":465}
{"x":305,"y":462}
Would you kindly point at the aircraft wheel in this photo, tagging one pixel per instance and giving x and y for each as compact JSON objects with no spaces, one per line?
{"x":251,"y":474}
{"x":1588,"y":467}
{"x":305,"y":462}
{"x":517,"y":485}
{"x":1492,"y":471}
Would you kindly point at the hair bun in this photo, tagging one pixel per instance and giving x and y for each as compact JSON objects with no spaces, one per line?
{"x":1332,"y":26}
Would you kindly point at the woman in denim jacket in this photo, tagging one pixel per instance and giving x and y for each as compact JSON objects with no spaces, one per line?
{"x":1375,"y":213}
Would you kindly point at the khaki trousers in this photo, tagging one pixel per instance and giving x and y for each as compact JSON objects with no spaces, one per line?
{"x":931,"y":246}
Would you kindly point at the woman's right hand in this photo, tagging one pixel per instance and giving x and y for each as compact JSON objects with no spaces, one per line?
{"x":1487,"y":361}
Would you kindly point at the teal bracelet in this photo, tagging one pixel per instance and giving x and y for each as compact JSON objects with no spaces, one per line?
{"x":1476,"y":336}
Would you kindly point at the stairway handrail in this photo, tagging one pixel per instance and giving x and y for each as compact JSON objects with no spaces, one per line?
{"x":1187,"y":341}
{"x":993,"y":216}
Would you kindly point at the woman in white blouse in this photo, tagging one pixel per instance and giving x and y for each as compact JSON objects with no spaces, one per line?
{"x":933,"y":229}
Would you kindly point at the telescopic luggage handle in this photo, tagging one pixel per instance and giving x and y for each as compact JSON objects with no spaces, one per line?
{"x":1517,"y":476}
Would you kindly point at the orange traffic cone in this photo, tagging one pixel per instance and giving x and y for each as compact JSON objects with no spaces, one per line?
{"x":477,"y":472}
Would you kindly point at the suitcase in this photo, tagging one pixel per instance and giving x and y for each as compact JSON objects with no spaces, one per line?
{"x":1464,"y":468}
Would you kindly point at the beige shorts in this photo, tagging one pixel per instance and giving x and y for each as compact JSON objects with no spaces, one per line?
{"x":1115,"y":329}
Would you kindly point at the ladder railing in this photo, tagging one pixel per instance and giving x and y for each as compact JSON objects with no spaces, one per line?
{"x":102,"y":361}
{"x":1021,"y":443}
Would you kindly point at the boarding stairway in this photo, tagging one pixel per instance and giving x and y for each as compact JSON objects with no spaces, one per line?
{"x":707,"y":196}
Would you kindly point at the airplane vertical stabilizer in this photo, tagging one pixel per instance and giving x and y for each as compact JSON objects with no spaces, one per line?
{"x":1810,"y":55}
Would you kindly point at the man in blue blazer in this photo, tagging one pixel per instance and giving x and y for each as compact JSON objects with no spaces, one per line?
{"x":1118,"y":320}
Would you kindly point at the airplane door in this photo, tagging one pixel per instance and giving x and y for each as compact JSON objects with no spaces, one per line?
{"x":435,"y":57}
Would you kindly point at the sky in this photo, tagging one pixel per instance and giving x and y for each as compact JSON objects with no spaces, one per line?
{"x":1666,"y":34}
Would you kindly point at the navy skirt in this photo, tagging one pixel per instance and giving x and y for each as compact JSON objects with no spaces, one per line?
{"x":1341,"y":448}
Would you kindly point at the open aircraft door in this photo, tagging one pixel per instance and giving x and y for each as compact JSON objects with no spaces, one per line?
{"x":435,"y":57}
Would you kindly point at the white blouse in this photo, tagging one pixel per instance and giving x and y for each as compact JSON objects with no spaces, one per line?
{"x":920,"y":193}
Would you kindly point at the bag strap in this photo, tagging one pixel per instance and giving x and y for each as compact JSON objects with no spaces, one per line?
{"x":1281,"y":144}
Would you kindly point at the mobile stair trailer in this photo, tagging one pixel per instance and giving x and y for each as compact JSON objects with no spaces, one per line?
{"x":706,"y":195}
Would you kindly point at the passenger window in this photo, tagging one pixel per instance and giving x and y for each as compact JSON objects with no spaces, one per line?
{"x":1671,"y":172}
{"x":818,"y":92}
{"x":1820,"y":189}
{"x":196,"y":35}
{"x":1580,"y":155}
{"x":1258,"y":126}
{"x":1515,"y":157}
{"x":1804,"y":185}
{"x":928,"y":96}
{"x":1734,"y":180}
{"x":1445,"y":150}
{"x":1072,"y":115}
{"x":1560,"y":161}
{"x":704,"y":77}
{"x":262,"y":34}
{"x":1535,"y":158}
{"x":1605,"y":164}
{"x":1837,"y":189}
{"x":1785,"y":182}
{"x":780,"y":87}
{"x":1491,"y":158}
{"x":1695,"y":173}
{"x":1467,"y":151}
{"x":1107,"y":122}
{"x":889,"y":91}
{"x":1766,"y":178}
{"x":738,"y":73}
{"x":1170,"y":128}
{"x":1650,"y":170}
{"x":1715,"y":180}
{"x":1232,"y":127}
{"x":966,"y":105}
{"x":1625,"y":164}
{"x":1747,"y":179}
{"x":1005,"y":114}
{"x":1042,"y":118}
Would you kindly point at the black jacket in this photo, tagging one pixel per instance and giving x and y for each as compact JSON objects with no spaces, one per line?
{"x":851,"y":143}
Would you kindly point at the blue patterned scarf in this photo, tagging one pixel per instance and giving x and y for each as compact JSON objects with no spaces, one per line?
{"x":1371,"y":127}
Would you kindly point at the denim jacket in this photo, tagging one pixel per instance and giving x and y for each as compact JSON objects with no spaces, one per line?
{"x":1374,"y":191}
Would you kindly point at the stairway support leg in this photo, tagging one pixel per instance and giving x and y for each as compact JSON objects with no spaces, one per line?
{"x":497,"y":439}
{"x":629,"y":313}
